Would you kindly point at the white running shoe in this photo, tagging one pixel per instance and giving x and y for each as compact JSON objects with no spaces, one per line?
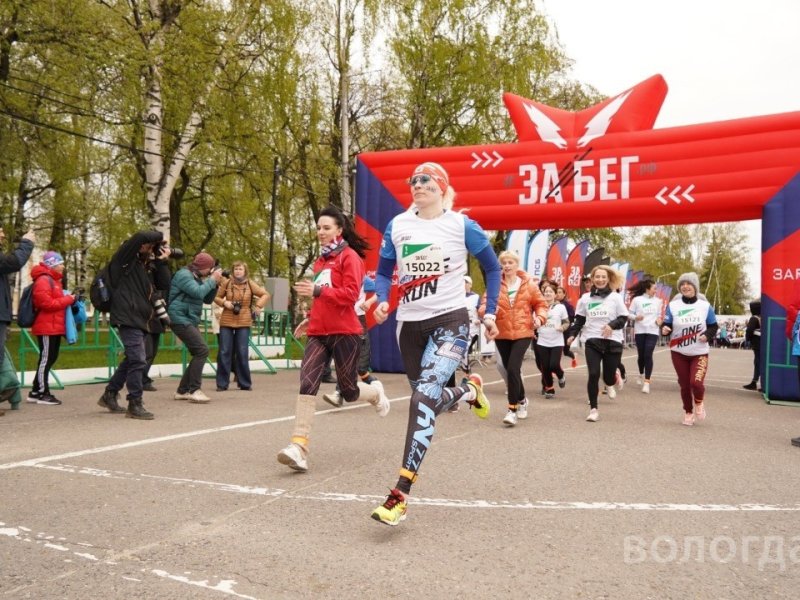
{"x":511,"y":418}
{"x":639,"y":380}
{"x":612,"y":392}
{"x":294,"y":457}
{"x":198,"y":397}
{"x":620,"y":381}
{"x":646,"y":388}
{"x":522,"y":409}
{"x":383,"y":406}
{"x":700,"y":410}
{"x":688,"y":419}
{"x":334,"y":399}
{"x":593,"y":416}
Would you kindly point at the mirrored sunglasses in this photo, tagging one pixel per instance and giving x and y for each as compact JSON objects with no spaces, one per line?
{"x":421,"y":179}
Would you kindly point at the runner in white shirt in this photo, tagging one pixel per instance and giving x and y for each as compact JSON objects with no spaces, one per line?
{"x":646,"y":310}
{"x":429,"y":245}
{"x":602,"y":315}
{"x":550,"y":340}
{"x":690,"y":322}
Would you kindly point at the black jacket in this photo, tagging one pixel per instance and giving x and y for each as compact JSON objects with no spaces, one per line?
{"x":131,"y":285}
{"x":11,"y":263}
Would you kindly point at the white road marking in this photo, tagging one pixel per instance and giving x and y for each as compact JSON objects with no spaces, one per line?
{"x":449,"y":502}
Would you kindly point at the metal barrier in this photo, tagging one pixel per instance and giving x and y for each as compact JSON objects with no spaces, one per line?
{"x":272,"y":328}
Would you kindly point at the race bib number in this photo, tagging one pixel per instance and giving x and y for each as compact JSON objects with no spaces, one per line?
{"x":323,"y":278}
{"x":422,"y":260}
{"x":597,"y":310}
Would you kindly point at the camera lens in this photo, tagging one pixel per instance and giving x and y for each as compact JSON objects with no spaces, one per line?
{"x":177,"y":253}
{"x":237,"y":308}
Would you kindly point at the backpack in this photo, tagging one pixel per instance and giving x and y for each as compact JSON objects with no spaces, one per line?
{"x":100,"y":291}
{"x":26,"y":312}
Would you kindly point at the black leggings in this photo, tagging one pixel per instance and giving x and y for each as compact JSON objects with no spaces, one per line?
{"x":513,"y":352}
{"x":645,"y":346}
{"x":550,"y":358}
{"x":49,"y":346}
{"x":605,"y":353}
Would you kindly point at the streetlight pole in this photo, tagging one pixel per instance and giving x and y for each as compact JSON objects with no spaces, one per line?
{"x":658,"y":279}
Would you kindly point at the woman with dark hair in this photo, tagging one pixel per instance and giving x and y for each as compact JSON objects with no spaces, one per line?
{"x":602,"y":316}
{"x":646,"y":311}
{"x":561,"y":297}
{"x":752,"y":336}
{"x":429,"y":245}
{"x":550,"y":340}
{"x":333,"y":329}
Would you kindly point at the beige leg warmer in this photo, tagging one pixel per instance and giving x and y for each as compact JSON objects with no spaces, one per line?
{"x":368,"y":393}
{"x":303,"y":418}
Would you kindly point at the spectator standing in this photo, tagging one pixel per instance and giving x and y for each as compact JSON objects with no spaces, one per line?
{"x":132,"y":296}
{"x":690,"y":322}
{"x":752,"y":336}
{"x":242,"y":301}
{"x":49,"y":325}
{"x":11,"y":263}
{"x":193,"y":286}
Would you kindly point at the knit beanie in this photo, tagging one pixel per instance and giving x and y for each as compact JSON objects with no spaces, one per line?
{"x":692,"y":279}
{"x":52,"y":259}
{"x":202,"y":260}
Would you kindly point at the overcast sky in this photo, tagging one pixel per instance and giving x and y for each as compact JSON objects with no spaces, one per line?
{"x":721,"y":59}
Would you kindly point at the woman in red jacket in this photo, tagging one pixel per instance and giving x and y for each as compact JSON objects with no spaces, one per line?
{"x":521,"y":309}
{"x":49,"y":302}
{"x":333,"y":329}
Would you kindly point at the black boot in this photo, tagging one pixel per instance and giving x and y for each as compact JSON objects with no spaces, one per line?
{"x":109,"y":400}
{"x":137,"y":411}
{"x":751,"y":386}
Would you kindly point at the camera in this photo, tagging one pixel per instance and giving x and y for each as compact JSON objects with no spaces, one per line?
{"x":237,"y":307}
{"x":161,"y":310}
{"x":175,"y":253}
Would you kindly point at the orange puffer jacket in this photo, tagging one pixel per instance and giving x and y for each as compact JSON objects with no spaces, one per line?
{"x":516,"y":322}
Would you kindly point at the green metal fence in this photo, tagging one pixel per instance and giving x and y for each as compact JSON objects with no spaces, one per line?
{"x":272,"y":328}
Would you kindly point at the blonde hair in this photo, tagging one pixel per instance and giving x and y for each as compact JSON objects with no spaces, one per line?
{"x":614,"y":277}
{"x":509,"y":254}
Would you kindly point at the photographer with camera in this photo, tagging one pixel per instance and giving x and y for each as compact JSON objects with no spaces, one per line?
{"x":132,"y":293}
{"x":191,"y":287}
{"x":242,"y":301}
{"x":49,"y":325}
{"x":160,"y":275}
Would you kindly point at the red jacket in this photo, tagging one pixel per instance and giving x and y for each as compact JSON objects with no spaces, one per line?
{"x":333,"y":311}
{"x":49,"y":302}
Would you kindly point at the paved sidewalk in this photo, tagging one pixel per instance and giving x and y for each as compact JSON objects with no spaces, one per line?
{"x":194,"y":504}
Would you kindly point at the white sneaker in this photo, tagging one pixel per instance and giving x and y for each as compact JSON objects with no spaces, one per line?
{"x":620,"y":381}
{"x":522,"y":409}
{"x":179,"y":396}
{"x":294,"y":457}
{"x":646,"y":388}
{"x":639,"y":380}
{"x":198,"y":397}
{"x":510,"y":418}
{"x":334,"y":399}
{"x":612,"y":392}
{"x":593,"y":415}
{"x":383,"y":406}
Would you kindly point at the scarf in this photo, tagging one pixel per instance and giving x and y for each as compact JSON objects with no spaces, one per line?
{"x":335,"y":246}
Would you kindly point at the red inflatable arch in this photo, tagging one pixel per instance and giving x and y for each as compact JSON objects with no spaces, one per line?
{"x":606,"y":166}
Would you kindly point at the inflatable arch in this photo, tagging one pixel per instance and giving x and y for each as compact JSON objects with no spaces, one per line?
{"x":606,"y":166}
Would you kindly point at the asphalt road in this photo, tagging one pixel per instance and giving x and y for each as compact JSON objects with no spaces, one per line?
{"x":194,"y":504}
